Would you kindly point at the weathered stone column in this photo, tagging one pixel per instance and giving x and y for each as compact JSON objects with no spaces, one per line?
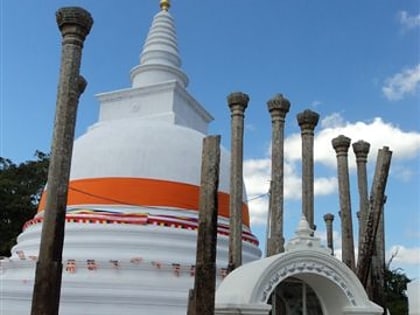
{"x":74,"y":24}
{"x":329,"y":218}
{"x":380,"y":245}
{"x":237,"y":102}
{"x":278,"y":107}
{"x":361,"y":150}
{"x":376,"y":285}
{"x":307,"y":121}
{"x":341,"y":146}
{"x":205,"y":267}
{"x":377,"y":199}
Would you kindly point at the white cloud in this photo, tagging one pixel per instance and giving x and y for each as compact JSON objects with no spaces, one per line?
{"x":257,"y":175}
{"x":322,"y":234}
{"x":407,"y":21}
{"x":258,"y":213}
{"x":325,"y":186}
{"x":401,"y":84}
{"x":404,"y":255}
{"x":257,"y":172}
{"x":335,"y":120}
{"x":378,"y":133}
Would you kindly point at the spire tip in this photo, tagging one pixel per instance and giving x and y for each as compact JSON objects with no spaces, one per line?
{"x":165,"y":5}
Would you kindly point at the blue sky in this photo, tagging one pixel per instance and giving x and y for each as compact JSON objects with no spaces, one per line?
{"x":354,"y":62}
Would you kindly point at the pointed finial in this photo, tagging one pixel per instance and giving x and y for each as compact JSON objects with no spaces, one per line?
{"x":303,"y":228}
{"x":165,"y":5}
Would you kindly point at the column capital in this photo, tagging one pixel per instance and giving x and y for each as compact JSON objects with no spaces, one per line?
{"x":238,"y":102}
{"x":361,"y":150}
{"x":341,"y":144}
{"x":307,"y":120}
{"x":278,"y":106}
{"x":74,"y":21}
{"x":328,"y":217}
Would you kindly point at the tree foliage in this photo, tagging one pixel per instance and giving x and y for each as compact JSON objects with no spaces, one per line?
{"x":20,"y":191}
{"x":396,"y":291}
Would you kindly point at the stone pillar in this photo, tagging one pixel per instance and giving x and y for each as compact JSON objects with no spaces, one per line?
{"x":329,"y":218}
{"x":237,"y":102}
{"x":380,"y":245}
{"x":376,"y":286}
{"x":341,"y":146}
{"x":74,"y":24}
{"x":268,"y":224}
{"x":361,"y":150}
{"x":307,"y":121}
{"x":377,"y":198}
{"x":205,"y":267}
{"x":278,"y":107}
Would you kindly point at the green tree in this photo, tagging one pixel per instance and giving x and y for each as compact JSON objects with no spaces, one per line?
{"x":396,"y":291}
{"x":20,"y":191}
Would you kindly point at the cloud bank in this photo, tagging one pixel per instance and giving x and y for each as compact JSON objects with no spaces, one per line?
{"x":257,"y":172}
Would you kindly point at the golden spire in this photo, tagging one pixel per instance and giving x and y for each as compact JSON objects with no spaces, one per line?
{"x":165,"y":5}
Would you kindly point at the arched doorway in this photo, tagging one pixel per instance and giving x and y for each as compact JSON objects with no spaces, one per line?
{"x":294,"y":297}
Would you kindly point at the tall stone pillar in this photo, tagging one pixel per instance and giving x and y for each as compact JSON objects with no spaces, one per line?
{"x":74,"y":24}
{"x":237,"y":102}
{"x":307,"y":121}
{"x":341,"y":146}
{"x":380,"y":245}
{"x":205,"y":267}
{"x":377,"y":198}
{"x":329,"y":218}
{"x":278,"y":107}
{"x":376,"y":286}
{"x":361,"y":150}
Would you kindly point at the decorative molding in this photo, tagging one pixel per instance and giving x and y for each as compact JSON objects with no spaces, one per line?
{"x":305,"y":265}
{"x":92,"y":216}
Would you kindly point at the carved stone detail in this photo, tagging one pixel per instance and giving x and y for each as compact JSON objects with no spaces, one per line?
{"x":308,"y":266}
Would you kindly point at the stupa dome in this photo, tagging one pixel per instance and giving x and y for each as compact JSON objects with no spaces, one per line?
{"x":129,"y":148}
{"x":142,"y":163}
{"x":145,"y":149}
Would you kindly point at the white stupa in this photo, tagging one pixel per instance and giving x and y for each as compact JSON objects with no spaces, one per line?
{"x":131,"y":223}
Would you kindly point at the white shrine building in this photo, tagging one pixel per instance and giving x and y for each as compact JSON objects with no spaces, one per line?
{"x":132,"y":216}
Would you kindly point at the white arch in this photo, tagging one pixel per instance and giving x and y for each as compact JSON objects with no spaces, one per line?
{"x":247,"y":289}
{"x":337,"y":287}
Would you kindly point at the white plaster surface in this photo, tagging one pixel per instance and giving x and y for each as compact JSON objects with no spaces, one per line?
{"x":145,"y":281}
{"x":413,"y":293}
{"x":144,"y":149}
